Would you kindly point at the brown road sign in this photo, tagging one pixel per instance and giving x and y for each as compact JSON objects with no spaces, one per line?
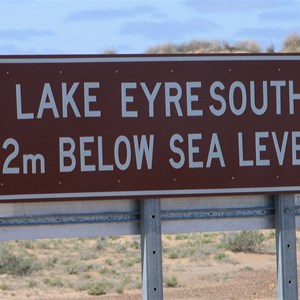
{"x":148,"y":126}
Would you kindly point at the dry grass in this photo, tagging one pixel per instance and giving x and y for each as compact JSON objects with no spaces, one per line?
{"x":99,"y":266}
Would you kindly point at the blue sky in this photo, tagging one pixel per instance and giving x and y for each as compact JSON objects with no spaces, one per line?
{"x":91,"y":27}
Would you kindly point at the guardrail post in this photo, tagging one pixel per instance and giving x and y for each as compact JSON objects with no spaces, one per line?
{"x":151,"y":247}
{"x":286,"y":251}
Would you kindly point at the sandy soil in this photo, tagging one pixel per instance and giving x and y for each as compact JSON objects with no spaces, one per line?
{"x":236,"y":276}
{"x":245,"y":276}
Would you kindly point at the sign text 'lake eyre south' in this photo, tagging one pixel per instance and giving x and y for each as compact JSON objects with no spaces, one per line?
{"x":85,"y":127}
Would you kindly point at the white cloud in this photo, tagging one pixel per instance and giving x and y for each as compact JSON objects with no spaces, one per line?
{"x":280,"y":16}
{"x":24,"y":34}
{"x":169,"y":29}
{"x":101,"y":14}
{"x":235,"y":5}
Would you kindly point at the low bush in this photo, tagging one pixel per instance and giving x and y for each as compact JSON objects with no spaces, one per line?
{"x":96,"y":289}
{"x":171,"y":282}
{"x":17,"y":265}
{"x":244,"y":241}
{"x":54,"y":282}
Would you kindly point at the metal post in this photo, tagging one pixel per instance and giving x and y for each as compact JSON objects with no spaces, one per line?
{"x":286,"y":247}
{"x":151,"y":247}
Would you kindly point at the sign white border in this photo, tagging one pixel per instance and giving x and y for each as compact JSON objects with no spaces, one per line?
{"x":147,"y":193}
{"x":146,"y":58}
{"x":121,"y":59}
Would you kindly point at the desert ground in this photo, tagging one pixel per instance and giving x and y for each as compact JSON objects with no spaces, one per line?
{"x":195,"y":266}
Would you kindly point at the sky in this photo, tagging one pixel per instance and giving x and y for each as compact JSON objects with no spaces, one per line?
{"x":93,"y":27}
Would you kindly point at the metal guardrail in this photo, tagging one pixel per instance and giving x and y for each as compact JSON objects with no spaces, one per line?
{"x":75,"y":219}
{"x":30,"y":220}
{"x":70,"y":219}
{"x":169,"y":215}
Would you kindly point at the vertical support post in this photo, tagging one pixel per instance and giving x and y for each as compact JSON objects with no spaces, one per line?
{"x":286,"y":247}
{"x":151,"y":247}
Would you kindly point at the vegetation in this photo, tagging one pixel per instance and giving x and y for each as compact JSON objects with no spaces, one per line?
{"x":171,"y":282}
{"x":96,"y":289}
{"x":205,"y":46}
{"x":111,"y":265}
{"x":20,"y":265}
{"x":291,"y":43}
{"x":244,"y":241}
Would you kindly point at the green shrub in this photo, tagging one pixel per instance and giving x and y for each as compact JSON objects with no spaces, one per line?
{"x":107,"y":271}
{"x":220,"y":256}
{"x":173,"y":255}
{"x":44,"y":244}
{"x":127,"y":263}
{"x":182,"y":236}
{"x":135,"y":245}
{"x":55,"y":282}
{"x":4,"y":286}
{"x":68,"y":261}
{"x":88,"y":267}
{"x":244,"y":241}
{"x":96,"y":289}
{"x":72,"y":269}
{"x":88,"y":254}
{"x":27,"y":244}
{"x":171,"y":282}
{"x":120,"y":289}
{"x":50,"y":263}
{"x":109,"y":262}
{"x":17,"y":265}
{"x":31,"y":283}
{"x":247,"y":268}
{"x":101,"y":243}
